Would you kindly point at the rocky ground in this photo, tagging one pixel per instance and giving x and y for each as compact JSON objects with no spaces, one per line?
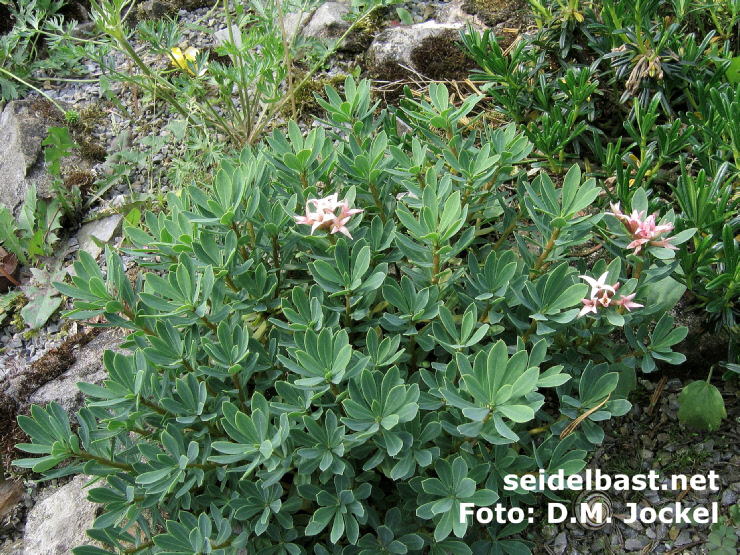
{"x":44,"y":365}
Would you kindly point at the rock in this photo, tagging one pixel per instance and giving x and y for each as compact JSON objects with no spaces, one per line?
{"x":11,"y":492}
{"x":84,"y":30}
{"x":549,"y":531}
{"x":191,"y":5}
{"x":15,"y":548}
{"x":428,"y":48}
{"x":295,"y":22}
{"x":87,"y":368}
{"x":104,"y":230}
{"x":325,"y":23}
{"x":222,"y":36}
{"x":452,"y":13}
{"x":684,"y":537}
{"x":729,"y":497}
{"x":23,"y":127}
{"x":633,"y":545}
{"x":493,"y":12}
{"x":58,"y":521}
{"x":560,"y":543}
{"x":23,"y":130}
{"x":156,"y":9}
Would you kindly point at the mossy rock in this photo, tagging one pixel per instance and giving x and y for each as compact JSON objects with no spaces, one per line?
{"x":493,"y":12}
{"x":440,"y":57}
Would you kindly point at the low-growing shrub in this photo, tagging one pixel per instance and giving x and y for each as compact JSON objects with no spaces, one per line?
{"x":643,"y":94}
{"x":351,"y":333}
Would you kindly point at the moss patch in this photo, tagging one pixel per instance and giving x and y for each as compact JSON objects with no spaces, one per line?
{"x":493,"y":12}
{"x":83,"y":180}
{"x":305,"y":101}
{"x":396,"y":76}
{"x":441,"y":58}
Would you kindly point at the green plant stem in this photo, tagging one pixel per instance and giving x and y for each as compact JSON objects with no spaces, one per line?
{"x":379,"y":204}
{"x":243,"y":96}
{"x":637,"y":272}
{"x":508,"y":231}
{"x":144,"y":545}
{"x":230,"y":283}
{"x":485,"y":313}
{"x":30,"y":86}
{"x":242,"y":248}
{"x":239,"y":391}
{"x":210,"y":325}
{"x":153,"y":406}
{"x":106,"y":462}
{"x":529,"y":331}
{"x":412,"y":349}
{"x":128,"y":313}
{"x":276,"y":262}
{"x":145,"y":69}
{"x":435,"y":265}
{"x":546,"y":428}
{"x":545,"y":253}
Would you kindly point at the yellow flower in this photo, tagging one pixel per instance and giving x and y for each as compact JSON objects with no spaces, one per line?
{"x":180,"y":59}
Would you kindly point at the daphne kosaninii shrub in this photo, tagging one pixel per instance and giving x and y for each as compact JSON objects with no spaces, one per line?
{"x":351,"y":333}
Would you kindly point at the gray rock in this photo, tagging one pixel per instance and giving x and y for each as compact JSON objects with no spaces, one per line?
{"x":397,"y":44}
{"x":729,"y":497}
{"x":325,"y":23}
{"x":11,"y":493}
{"x":84,"y":30}
{"x":87,"y":368}
{"x":560,"y":543}
{"x":58,"y":521}
{"x":328,"y":23}
{"x":222,"y":36}
{"x":295,"y":22}
{"x":156,"y":9}
{"x":549,"y":531}
{"x":104,"y":230}
{"x":453,"y":13}
{"x":684,"y":537}
{"x":633,"y":545}
{"x":22,"y":130}
{"x":15,"y":548}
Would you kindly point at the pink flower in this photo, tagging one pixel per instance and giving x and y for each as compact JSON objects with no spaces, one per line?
{"x":602,"y":295}
{"x":589,"y":305}
{"x":324,"y":215}
{"x":599,"y":285}
{"x":643,"y":231}
{"x":627,"y":303}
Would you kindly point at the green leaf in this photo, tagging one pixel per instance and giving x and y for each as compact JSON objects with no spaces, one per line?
{"x":59,"y":144}
{"x":702,"y":406}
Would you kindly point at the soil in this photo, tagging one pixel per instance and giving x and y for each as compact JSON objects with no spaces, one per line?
{"x":6,"y":20}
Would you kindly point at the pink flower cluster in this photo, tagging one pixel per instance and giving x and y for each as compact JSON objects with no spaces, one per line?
{"x":643,"y":231}
{"x":325,"y":216}
{"x":601,"y":295}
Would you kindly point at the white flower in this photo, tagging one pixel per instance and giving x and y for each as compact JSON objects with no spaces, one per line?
{"x":597,"y":286}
